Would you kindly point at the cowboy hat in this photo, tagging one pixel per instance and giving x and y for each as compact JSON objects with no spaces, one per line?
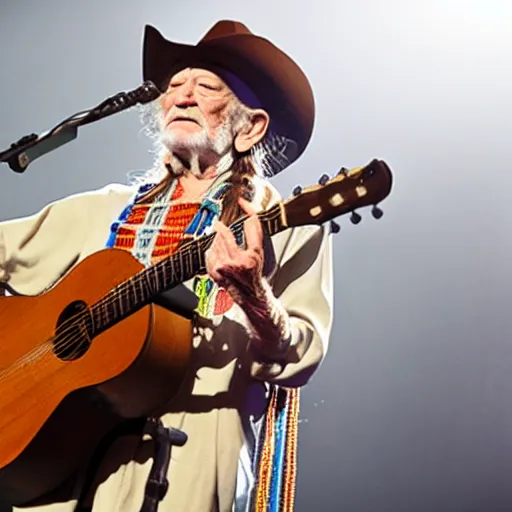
{"x":273,"y":77}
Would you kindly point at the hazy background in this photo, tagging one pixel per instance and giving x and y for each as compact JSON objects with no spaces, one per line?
{"x":412,"y":409}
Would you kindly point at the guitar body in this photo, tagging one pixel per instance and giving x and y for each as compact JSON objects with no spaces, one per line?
{"x":55,"y":411}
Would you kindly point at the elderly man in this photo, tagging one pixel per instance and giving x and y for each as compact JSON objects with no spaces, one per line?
{"x":234,"y":110}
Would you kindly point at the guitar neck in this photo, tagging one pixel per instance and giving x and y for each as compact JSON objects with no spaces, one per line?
{"x":138,"y":291}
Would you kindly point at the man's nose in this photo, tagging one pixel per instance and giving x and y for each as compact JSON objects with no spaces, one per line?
{"x":185,"y":96}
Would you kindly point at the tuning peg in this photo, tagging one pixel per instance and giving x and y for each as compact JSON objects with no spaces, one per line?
{"x":377,"y":212}
{"x":335,"y":228}
{"x":355,"y":218}
{"x":297,"y":190}
{"x":323,"y":179}
{"x":343,"y":170}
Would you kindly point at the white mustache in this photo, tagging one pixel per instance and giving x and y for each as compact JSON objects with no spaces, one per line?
{"x":188,"y":114}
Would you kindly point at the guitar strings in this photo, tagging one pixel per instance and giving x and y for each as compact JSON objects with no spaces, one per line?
{"x":68,"y":336}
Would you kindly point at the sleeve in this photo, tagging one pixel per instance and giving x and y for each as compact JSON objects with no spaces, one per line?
{"x":35,"y":251}
{"x":303,"y":285}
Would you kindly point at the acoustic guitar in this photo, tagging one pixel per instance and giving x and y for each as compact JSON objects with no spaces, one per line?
{"x":95,"y":350}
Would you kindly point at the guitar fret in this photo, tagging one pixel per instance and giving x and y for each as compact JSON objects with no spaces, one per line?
{"x":179,"y":271}
{"x":110,"y":309}
{"x":152,"y":280}
{"x":104,"y":312}
{"x":190,"y":255}
{"x":120,"y":304}
{"x":149,"y":279}
{"x":197,"y":261}
{"x":167,"y":272}
{"x":138,"y":286}
{"x":181,"y":268}
{"x":132,"y":291}
{"x":95,"y":320}
{"x":176,"y":266}
{"x":114,"y":307}
{"x":162,"y":276}
{"x":124,"y":296}
{"x":138,"y":292}
{"x":89,"y":323}
{"x":145,"y":287}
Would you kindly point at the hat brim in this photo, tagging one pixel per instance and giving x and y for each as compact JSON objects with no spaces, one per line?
{"x":275,"y":78}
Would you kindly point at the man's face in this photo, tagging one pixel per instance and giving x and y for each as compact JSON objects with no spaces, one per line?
{"x":197,"y":114}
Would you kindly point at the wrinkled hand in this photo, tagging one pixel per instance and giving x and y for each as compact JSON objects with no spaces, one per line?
{"x":239,"y":271}
{"x":234,"y":268}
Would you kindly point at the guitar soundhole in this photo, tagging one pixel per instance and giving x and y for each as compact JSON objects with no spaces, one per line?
{"x":73,"y":333}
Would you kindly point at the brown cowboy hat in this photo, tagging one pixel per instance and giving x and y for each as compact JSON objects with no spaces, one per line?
{"x":277,"y":81}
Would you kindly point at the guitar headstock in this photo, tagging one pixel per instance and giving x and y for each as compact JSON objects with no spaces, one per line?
{"x":349,"y":190}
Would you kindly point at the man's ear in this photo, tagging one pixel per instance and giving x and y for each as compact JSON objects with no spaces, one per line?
{"x":255,"y":130}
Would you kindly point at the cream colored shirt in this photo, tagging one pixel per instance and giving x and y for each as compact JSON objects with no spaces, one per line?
{"x":225,"y":393}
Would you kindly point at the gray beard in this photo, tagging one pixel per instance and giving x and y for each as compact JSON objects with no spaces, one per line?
{"x":199,"y":152}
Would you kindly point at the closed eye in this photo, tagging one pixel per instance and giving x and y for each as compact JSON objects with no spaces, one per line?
{"x":210,"y":87}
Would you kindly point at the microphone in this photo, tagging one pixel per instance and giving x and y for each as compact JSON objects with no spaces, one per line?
{"x":28,"y":148}
{"x":145,"y":93}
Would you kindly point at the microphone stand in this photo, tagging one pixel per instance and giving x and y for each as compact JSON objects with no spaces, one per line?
{"x":28,"y":148}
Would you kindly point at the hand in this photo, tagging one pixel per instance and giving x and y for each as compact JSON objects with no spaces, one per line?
{"x":238,"y":270}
